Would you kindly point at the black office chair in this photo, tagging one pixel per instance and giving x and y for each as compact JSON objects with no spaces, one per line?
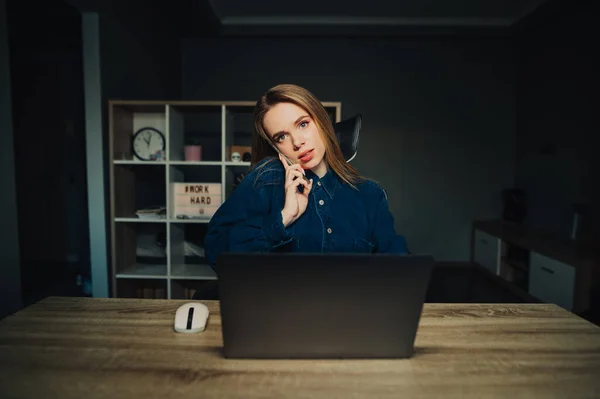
{"x":347,"y":133}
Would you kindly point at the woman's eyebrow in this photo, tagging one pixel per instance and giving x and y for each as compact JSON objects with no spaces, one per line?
{"x":295,"y":123}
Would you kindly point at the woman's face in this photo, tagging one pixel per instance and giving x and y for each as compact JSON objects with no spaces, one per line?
{"x":296,"y":135}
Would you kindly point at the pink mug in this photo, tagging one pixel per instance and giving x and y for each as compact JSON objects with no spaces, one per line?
{"x":193,"y":152}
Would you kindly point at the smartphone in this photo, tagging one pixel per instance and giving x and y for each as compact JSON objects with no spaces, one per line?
{"x":290,"y":163}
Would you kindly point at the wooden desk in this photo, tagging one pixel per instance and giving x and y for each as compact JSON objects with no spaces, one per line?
{"x":113,"y":348}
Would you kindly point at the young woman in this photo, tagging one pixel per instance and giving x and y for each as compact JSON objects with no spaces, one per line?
{"x":301,"y":195}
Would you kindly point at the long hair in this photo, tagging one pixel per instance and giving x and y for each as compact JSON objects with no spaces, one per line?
{"x":289,"y":93}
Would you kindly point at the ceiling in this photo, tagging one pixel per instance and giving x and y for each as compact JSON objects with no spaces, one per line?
{"x":376,"y":16}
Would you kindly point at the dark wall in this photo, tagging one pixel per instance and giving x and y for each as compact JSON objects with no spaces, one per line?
{"x":439,"y":116}
{"x":10,"y":279}
{"x":49,"y":139}
{"x":140,"y":52}
{"x":558,"y":86}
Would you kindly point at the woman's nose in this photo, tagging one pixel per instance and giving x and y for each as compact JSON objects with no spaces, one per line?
{"x":298,"y":139}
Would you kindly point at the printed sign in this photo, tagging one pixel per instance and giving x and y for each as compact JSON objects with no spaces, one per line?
{"x":195,"y":200}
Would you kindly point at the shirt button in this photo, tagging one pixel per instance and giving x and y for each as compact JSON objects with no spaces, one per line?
{"x":318,"y":183}
{"x":321,"y":202}
{"x":329,"y":230}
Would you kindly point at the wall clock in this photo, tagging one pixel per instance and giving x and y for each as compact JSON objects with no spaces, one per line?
{"x":147,"y":142}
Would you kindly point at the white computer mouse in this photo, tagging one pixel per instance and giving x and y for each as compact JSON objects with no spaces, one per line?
{"x":191,"y":318}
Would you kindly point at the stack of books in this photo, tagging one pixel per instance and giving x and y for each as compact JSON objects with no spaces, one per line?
{"x":152,"y":213}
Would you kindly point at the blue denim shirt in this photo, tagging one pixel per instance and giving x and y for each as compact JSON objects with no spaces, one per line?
{"x":338,"y":218}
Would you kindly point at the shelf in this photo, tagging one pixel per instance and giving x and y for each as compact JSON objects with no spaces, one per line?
{"x":196,"y":163}
{"x":125,"y":120}
{"x":196,"y":125}
{"x":521,"y":265}
{"x":182,"y":163}
{"x":135,"y":219}
{"x":163,"y":220}
{"x":510,"y":286}
{"x":192,"y":272}
{"x":200,"y":221}
{"x":187,"y":254}
{"x":138,"y":162}
{"x":186,"y":289}
{"x":140,"y":270}
{"x":140,"y":249}
{"x":142,"y":288}
{"x":239,"y":126}
{"x":515,"y":276}
{"x":164,"y":257}
{"x":186,"y":172}
{"x":138,"y":186}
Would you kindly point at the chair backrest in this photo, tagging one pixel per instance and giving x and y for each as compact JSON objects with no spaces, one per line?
{"x":347,"y":133}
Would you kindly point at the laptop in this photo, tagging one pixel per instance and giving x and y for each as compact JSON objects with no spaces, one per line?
{"x":301,"y":306}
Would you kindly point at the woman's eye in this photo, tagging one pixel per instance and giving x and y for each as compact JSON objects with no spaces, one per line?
{"x":280,"y":138}
{"x":303,"y":124}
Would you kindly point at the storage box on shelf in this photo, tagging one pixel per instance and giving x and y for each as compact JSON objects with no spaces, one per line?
{"x":537,"y":264}
{"x":160,"y":207}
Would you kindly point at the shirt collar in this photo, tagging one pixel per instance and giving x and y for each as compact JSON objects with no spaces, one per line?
{"x":328,"y":182}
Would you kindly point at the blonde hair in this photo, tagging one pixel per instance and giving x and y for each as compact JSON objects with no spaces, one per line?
{"x":289,"y":93}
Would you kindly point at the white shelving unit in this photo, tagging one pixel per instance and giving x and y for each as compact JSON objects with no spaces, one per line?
{"x":163,"y":258}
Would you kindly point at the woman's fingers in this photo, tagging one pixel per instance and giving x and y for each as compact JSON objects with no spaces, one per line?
{"x":307,"y":188}
{"x":298,"y":182}
{"x":293,"y":177}
{"x":293,"y":174}
{"x":298,"y":168}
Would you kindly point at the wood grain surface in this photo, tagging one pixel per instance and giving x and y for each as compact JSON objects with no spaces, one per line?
{"x":126,"y":348}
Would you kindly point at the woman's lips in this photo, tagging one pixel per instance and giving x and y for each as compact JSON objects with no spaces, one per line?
{"x":307,"y":156}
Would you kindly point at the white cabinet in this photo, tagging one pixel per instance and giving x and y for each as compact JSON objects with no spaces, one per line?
{"x":533,"y":263}
{"x":487,"y":251}
{"x":551,"y":281}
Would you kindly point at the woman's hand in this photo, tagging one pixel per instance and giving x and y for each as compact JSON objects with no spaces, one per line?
{"x":295,"y":201}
